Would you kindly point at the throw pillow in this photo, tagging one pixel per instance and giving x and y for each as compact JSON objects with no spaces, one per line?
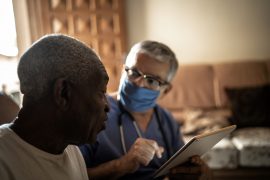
{"x":198,"y":121}
{"x":250,"y":106}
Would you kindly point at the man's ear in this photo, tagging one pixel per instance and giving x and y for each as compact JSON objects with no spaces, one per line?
{"x":61,"y":93}
{"x":168,"y":89}
{"x":123,"y":68}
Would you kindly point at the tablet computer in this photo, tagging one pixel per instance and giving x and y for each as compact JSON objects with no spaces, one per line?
{"x":198,"y":145}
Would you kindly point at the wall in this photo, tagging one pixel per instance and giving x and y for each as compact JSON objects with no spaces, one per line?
{"x":22,"y":25}
{"x":8,"y":73}
{"x":8,"y":65}
{"x":203,"y":31}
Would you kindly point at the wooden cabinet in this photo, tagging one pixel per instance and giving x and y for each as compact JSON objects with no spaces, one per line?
{"x":100,"y":24}
{"x":242,"y":174}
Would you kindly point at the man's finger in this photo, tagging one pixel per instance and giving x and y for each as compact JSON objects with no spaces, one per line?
{"x":141,"y":159}
{"x":161,"y":149}
{"x":196,"y":160}
{"x":158,"y":153}
{"x":152,"y":144}
{"x":142,"y":143}
{"x":143,"y":152}
{"x":158,"y":150}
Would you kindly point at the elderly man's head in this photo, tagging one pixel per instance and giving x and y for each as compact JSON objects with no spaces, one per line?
{"x":64,"y":80}
{"x":156,"y":50}
{"x":53,"y":57}
{"x":150,"y":65}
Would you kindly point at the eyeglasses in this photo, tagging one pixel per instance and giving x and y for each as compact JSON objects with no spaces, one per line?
{"x":149,"y":82}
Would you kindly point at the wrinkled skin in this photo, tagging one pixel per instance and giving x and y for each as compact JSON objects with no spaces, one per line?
{"x":69,"y":114}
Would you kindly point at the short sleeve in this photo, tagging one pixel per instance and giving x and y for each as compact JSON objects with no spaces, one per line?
{"x":88,"y":151}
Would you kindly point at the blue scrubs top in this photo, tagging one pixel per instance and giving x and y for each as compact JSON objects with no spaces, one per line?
{"x":109,"y":146}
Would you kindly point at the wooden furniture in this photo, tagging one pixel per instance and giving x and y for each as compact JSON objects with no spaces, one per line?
{"x":242,"y":174}
{"x":100,"y":24}
{"x":8,"y":109}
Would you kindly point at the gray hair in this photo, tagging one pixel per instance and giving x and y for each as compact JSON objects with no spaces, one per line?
{"x":52,"y":57}
{"x":156,"y":50}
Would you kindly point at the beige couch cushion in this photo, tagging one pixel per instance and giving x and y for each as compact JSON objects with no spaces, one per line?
{"x":267,"y":63}
{"x":192,"y":87}
{"x":239,"y":74}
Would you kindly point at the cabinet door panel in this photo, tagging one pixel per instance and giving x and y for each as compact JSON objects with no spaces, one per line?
{"x":100,"y":24}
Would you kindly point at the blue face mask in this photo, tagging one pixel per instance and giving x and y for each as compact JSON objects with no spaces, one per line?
{"x":136,"y":98}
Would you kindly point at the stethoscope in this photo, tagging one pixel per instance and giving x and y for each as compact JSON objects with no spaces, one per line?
{"x":137,"y":129}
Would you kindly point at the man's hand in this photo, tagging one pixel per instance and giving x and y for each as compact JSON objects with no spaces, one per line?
{"x":195,"y":169}
{"x":141,"y":152}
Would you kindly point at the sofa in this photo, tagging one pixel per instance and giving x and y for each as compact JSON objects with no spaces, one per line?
{"x":8,"y":108}
{"x":206,"y":97}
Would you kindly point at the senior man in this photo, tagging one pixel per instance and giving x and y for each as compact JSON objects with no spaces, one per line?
{"x":64,"y":106}
{"x":141,"y":135}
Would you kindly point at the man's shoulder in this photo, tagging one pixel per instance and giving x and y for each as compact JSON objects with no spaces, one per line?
{"x":3,"y":130}
{"x":111,"y":98}
{"x":72,"y":149}
{"x":163,"y":110}
{"x":166,"y":114}
{"x":74,"y":154}
{"x":7,"y":143}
